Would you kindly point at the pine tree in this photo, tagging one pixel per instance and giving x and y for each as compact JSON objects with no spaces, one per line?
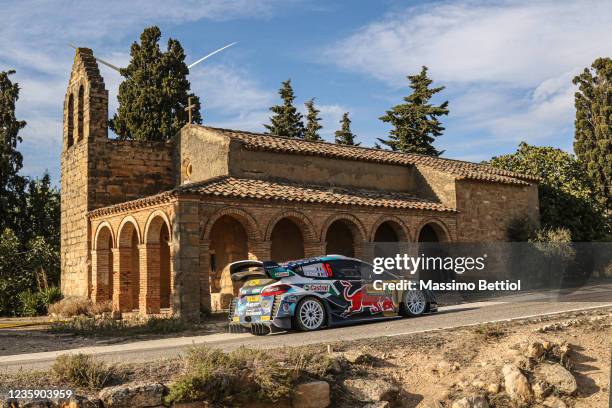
{"x":153,"y":96}
{"x":286,"y":121}
{"x":312,"y":122}
{"x":12,"y":185}
{"x":593,"y":127}
{"x":415,"y":122}
{"x":344,"y":135}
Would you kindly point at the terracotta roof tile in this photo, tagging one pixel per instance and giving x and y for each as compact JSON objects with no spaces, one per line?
{"x":457,"y":168}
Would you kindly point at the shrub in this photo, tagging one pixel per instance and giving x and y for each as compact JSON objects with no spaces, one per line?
{"x":220,"y":378}
{"x":30,"y":303}
{"x":70,"y":306}
{"x":82,"y":371}
{"x":96,"y":309}
{"x":107,"y":326}
{"x":49,"y":295}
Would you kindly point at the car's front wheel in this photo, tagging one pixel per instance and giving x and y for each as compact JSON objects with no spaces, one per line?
{"x":309,"y":314}
{"x":414,"y":303}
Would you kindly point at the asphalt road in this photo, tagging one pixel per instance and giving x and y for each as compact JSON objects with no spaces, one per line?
{"x":524,"y":306}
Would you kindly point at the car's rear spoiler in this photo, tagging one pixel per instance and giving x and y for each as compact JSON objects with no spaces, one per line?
{"x":241,"y":270}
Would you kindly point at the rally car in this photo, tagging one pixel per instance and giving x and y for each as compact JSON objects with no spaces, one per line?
{"x":309,"y":294}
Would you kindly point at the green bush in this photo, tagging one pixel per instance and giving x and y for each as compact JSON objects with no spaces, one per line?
{"x":82,"y":371}
{"x":30,"y":304}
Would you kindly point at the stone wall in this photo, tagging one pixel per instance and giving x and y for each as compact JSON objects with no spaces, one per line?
{"x":486,"y":209}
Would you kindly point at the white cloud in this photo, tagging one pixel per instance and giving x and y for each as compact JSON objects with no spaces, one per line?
{"x":507,"y":65}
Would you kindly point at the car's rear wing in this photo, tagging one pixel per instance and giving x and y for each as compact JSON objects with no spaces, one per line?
{"x":247,"y":269}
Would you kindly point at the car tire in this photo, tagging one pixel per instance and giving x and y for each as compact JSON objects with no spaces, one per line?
{"x":414,"y":303}
{"x":310,"y":314}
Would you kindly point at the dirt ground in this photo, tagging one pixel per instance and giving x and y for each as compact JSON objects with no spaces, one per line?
{"x":437,"y":368}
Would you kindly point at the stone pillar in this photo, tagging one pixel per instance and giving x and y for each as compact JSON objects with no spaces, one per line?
{"x":149,"y":299}
{"x":260,"y":250}
{"x":121,"y":279}
{"x":312,"y":249}
{"x":186,"y":261}
{"x":100,"y":270}
{"x":172,"y":253}
{"x":205,"y":301}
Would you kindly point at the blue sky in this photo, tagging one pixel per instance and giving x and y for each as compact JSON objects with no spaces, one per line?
{"x":507,"y":65}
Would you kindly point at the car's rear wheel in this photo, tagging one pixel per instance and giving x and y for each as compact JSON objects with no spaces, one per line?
{"x":309,"y":314}
{"x":414,"y":303}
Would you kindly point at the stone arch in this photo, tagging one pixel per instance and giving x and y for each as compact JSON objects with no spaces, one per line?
{"x":70,"y":121}
{"x":80,"y":112}
{"x":153,"y":226}
{"x":102,"y":264}
{"x":302,"y":221}
{"x":437,"y":226}
{"x":242,"y":216}
{"x":343,"y":234}
{"x":99,"y":230}
{"x":401,"y":230}
{"x":157,"y":277}
{"x":128,"y":288}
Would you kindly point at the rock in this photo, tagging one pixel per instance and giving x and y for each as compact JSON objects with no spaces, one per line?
{"x":478,"y":384}
{"x":535,"y":350}
{"x":474,"y":401}
{"x":133,"y":395}
{"x":554,"y":402}
{"x":43,"y":403}
{"x":557,"y":376}
{"x":444,"y":366}
{"x":540,"y":389}
{"x":357,"y":357}
{"x":335,"y":364}
{"x":78,"y":401}
{"x":368,"y":390}
{"x":311,"y":395}
{"x":547,"y":345}
{"x":493,"y":388}
{"x":379,"y":404}
{"x":517,"y":386}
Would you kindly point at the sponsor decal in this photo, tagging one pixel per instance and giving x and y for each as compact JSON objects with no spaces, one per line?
{"x":314,"y":271}
{"x":253,"y":282}
{"x":360,"y":301}
{"x":253,"y":299}
{"x":264,"y":318}
{"x":282,"y":274}
{"x":317,"y":287}
{"x":235,"y":319}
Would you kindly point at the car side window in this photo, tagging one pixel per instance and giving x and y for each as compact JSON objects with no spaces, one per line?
{"x":345,"y":269}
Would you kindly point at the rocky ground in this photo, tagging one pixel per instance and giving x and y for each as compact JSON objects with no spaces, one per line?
{"x":553,"y":362}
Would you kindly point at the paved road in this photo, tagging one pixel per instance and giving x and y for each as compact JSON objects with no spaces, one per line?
{"x":448,"y":317}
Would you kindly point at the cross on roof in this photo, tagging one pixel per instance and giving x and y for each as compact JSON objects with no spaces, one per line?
{"x":189,"y":108}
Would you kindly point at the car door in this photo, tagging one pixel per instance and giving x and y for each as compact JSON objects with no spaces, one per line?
{"x":383,"y":301}
{"x":346,"y":275}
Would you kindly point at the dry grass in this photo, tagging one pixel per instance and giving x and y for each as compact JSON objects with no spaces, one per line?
{"x":70,"y":307}
{"x":82,"y":371}
{"x":106,"y":326}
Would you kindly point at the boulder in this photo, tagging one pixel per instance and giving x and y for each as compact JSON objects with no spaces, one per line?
{"x":474,"y":401}
{"x":557,"y":376}
{"x":517,"y":386}
{"x":133,"y":395}
{"x":554,"y":402}
{"x":371,"y":390}
{"x":311,"y":395}
{"x":357,"y":357}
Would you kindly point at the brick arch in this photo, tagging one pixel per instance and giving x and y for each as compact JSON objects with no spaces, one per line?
{"x":402,"y":231}
{"x":99,"y":230}
{"x":153,"y":226}
{"x":356,"y":227}
{"x":121,"y":240}
{"x":301,"y":220}
{"x":243,"y":217}
{"x":438,"y":225}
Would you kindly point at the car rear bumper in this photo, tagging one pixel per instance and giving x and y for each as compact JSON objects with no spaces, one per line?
{"x":261,"y":327}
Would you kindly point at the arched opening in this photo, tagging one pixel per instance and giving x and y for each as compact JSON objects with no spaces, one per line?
{"x":228,"y":243}
{"x":103,"y":267}
{"x":339,"y":239}
{"x":129,"y":268}
{"x":80,"y":112}
{"x":432,"y":232}
{"x":430,"y":237}
{"x":70,"y":121}
{"x":386,"y":239}
{"x":165,"y":288}
{"x":287,"y":241}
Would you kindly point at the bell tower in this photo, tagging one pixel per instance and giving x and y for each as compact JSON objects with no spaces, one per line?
{"x":85,"y":127}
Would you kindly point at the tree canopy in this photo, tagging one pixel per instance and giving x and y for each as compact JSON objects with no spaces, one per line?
{"x":565,"y":190}
{"x":313,"y":122}
{"x":153,"y":96}
{"x":286,"y":120}
{"x":415,"y":122}
{"x":593,"y":126}
{"x":344,"y":135}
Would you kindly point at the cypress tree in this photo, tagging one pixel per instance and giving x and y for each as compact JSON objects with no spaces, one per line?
{"x":312,"y":122}
{"x":415,"y":122}
{"x":153,"y":96}
{"x":593,"y":127}
{"x":344,"y":135}
{"x":286,"y":121}
{"x":12,"y":185}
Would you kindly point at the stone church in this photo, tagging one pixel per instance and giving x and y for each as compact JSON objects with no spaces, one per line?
{"x":151,"y":226}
